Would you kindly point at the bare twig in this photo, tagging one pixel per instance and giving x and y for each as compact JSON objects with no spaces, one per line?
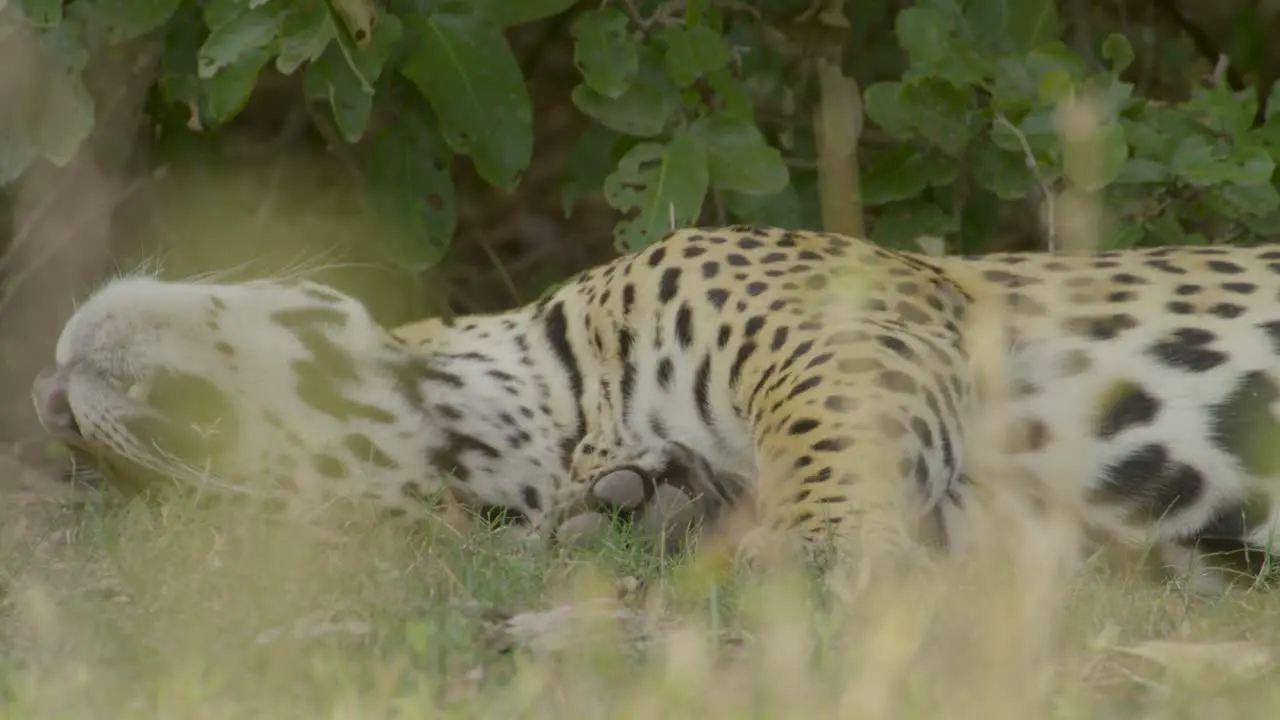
{"x":1220,"y":70}
{"x":1029,"y":160}
{"x":668,"y":13}
{"x":1200,"y":39}
{"x":507,"y":281}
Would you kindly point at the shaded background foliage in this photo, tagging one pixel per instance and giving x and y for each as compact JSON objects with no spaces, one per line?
{"x":457,"y":156}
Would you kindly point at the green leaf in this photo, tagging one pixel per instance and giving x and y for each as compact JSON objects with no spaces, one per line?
{"x":1269,"y":133}
{"x":1255,"y":200}
{"x":410,"y":190}
{"x":1145,"y":140}
{"x":56,"y":109}
{"x":942,"y":113}
{"x":924,"y":33}
{"x":506,"y":13}
{"x":331,"y":79}
{"x":1254,"y":165}
{"x":937,"y":49}
{"x":901,"y":223}
{"x":1266,"y":225}
{"x":1123,"y":236}
{"x":902,"y":173}
{"x":219,"y":12}
{"x":358,"y":17}
{"x":1003,"y":172}
{"x":965,"y":66}
{"x":1172,"y":124}
{"x":589,"y":162}
{"x":734,"y":99}
{"x":465,"y":69}
{"x":42,"y":13}
{"x":605,"y":52}
{"x":237,"y":39}
{"x":1221,"y":110}
{"x":1054,"y":87}
{"x":644,"y":110}
{"x":738,"y":157}
{"x":305,"y":32}
{"x":780,"y":209}
{"x":178,"y":81}
{"x":1012,"y":86}
{"x":1013,"y":25}
{"x":1195,"y":161}
{"x":1031,"y":22}
{"x":980,"y":220}
{"x":693,"y":52}
{"x":883,"y":104}
{"x":122,"y":20}
{"x":1168,"y":229}
{"x":1141,"y":170}
{"x":929,"y":107}
{"x":367,"y":60}
{"x":1118,"y":53}
{"x":1054,"y":57}
{"x":1112,"y":95}
{"x":664,"y":185}
{"x":228,"y":91}
{"x":1039,"y":130}
{"x":1096,"y":162}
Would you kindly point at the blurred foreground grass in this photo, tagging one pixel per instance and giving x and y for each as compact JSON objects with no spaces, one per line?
{"x":178,"y":612}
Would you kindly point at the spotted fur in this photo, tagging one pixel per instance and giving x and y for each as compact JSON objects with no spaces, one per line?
{"x":836,"y":376}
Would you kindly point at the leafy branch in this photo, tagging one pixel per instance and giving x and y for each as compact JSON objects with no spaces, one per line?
{"x":943,"y":120}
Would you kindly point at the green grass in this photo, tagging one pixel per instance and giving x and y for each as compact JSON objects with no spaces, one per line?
{"x":175,"y":612}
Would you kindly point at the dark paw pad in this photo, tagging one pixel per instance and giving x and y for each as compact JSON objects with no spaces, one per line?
{"x":622,"y":489}
{"x":655,"y":511}
{"x":668,"y":505}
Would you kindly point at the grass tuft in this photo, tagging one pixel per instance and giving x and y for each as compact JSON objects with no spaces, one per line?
{"x":184,"y":612}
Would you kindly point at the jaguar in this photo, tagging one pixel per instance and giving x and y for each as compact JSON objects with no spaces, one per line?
{"x":830,"y":383}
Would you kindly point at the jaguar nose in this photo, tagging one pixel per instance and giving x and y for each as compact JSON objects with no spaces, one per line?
{"x":49,"y":393}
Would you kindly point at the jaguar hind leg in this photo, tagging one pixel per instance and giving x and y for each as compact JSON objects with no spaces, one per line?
{"x":860,"y":432}
{"x":862,"y":448}
{"x":670,"y":496}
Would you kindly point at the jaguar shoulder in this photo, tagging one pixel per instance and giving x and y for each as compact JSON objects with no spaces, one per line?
{"x":837,"y":377}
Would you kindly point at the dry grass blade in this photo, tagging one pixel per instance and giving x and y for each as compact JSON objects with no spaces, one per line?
{"x":1199,"y":662}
